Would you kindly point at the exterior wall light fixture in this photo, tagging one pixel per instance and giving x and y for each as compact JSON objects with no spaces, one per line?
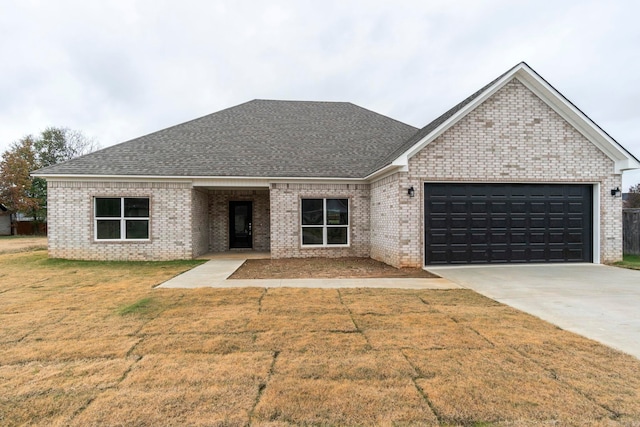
{"x":616,"y":192}
{"x":411,"y":191}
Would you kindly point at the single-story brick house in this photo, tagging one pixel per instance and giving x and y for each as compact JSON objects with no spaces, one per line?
{"x":514,"y":173}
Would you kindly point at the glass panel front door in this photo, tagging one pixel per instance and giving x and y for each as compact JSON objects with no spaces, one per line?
{"x":240,"y":223}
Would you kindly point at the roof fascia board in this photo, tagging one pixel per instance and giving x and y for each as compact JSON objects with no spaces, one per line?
{"x":266,"y":182}
{"x":236,"y":181}
{"x":401,"y":164}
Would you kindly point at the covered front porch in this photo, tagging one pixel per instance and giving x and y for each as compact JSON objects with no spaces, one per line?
{"x":231,"y":222}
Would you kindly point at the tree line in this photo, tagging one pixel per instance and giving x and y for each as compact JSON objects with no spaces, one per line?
{"x":19,"y":191}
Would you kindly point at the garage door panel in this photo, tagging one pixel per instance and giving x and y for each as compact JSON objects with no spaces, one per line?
{"x":519,"y":254}
{"x":437,"y":222}
{"x":538,"y":254}
{"x":498,"y":208}
{"x":502,"y":223}
{"x":458,"y":207}
{"x":538,"y":222}
{"x":479,"y":207}
{"x":538,"y":207}
{"x":459,"y":238}
{"x":459,"y":256}
{"x":574,"y":237}
{"x":479,"y":222}
{"x":575,"y":254}
{"x":439,"y":256}
{"x":479,"y":239}
{"x":537,"y":238}
{"x":459,"y":223}
{"x":499,"y":256}
{"x":556,"y":207}
{"x":479,"y":256}
{"x":575,"y":207}
{"x":499,"y":222}
{"x":518,"y":207}
{"x":438,"y":207}
{"x":499,"y":239}
{"x":518,"y":223}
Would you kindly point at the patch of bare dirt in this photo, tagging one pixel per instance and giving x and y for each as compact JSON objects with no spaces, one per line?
{"x":324,"y":268}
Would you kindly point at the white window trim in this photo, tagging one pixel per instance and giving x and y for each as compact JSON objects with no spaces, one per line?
{"x":123,"y":220}
{"x":326,"y":226}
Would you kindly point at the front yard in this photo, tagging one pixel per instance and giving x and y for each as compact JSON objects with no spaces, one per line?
{"x":86,"y":343}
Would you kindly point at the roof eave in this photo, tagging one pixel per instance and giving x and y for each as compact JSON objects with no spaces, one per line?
{"x":401,"y":164}
{"x":193,"y":179}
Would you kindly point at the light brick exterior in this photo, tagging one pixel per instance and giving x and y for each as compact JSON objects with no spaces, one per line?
{"x":285,"y":219}
{"x":200,"y":222}
{"x":219,"y":218}
{"x":385,"y":219}
{"x":71,"y":224}
{"x":512,"y":137}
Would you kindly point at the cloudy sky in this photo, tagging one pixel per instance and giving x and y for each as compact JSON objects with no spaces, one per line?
{"x":119,"y":69}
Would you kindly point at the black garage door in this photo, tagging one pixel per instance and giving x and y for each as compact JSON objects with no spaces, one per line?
{"x":507,"y":223}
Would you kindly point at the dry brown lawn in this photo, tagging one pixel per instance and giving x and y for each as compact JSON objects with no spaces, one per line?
{"x":10,"y":244}
{"x":93,"y":344}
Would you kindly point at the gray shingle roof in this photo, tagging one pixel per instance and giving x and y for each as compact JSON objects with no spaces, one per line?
{"x":258,"y":138}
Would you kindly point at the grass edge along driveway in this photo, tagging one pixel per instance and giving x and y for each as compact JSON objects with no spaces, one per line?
{"x":92,"y":343}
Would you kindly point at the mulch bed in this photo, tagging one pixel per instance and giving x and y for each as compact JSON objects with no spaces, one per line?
{"x":324,"y":268}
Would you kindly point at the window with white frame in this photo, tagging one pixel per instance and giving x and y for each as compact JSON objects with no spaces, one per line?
{"x":121,"y":218}
{"x":325,"y":222}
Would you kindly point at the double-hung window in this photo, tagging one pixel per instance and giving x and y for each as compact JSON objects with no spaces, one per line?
{"x":121,"y":218}
{"x":325,"y":222}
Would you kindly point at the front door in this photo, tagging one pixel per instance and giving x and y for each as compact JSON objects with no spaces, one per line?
{"x":240,"y":222}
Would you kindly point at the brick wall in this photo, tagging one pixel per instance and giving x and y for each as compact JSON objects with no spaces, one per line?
{"x":219,"y":218}
{"x":200,"y":222}
{"x":70,"y":220}
{"x":385,"y":220}
{"x":285,"y":219}
{"x":512,"y":137}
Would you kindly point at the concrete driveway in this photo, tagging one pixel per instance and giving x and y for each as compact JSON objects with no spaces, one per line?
{"x":596,"y":301}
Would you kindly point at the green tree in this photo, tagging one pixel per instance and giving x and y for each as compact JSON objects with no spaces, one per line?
{"x":17,"y":189}
{"x":633,"y":198}
{"x":24,"y":193}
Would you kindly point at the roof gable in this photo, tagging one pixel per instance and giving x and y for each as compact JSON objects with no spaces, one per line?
{"x":541,"y":88}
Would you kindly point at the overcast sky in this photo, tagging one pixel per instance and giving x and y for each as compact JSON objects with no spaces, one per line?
{"x":119,"y":69}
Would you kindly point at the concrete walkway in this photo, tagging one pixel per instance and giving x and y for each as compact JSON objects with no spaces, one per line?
{"x":215,"y":273}
{"x":597,"y":301}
